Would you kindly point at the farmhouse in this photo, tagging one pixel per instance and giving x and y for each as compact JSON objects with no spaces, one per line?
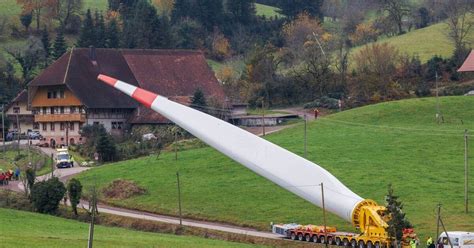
{"x":67,"y":95}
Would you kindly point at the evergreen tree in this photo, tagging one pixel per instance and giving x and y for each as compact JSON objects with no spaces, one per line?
{"x":242,"y":11}
{"x":114,"y":5}
{"x":59,"y":47}
{"x":87,"y":36}
{"x":99,"y":25}
{"x":74,"y":189}
{"x":198,"y":100}
{"x":142,"y":27}
{"x":291,"y":8}
{"x":209,"y":13}
{"x":112,"y":35}
{"x":181,"y":9}
{"x":397,"y":222}
{"x":46,"y":45}
{"x":26,"y":20}
{"x":106,"y":147}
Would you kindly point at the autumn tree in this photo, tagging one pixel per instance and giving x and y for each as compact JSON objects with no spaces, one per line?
{"x":38,"y":8}
{"x":364,"y":33}
{"x":376,"y":66}
{"x":66,"y":9}
{"x":164,"y":6}
{"x":220,"y":46}
{"x":300,"y":30}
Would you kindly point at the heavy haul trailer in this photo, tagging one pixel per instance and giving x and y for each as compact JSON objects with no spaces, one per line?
{"x":286,"y":169}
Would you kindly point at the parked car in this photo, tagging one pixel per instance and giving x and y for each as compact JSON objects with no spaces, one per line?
{"x":458,"y":239}
{"x":34,"y":135}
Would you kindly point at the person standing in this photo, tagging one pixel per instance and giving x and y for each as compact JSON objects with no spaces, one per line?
{"x":316,"y":113}
{"x":413,"y":243}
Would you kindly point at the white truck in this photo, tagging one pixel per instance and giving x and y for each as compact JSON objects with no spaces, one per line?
{"x":63,"y":159}
{"x":458,"y":239}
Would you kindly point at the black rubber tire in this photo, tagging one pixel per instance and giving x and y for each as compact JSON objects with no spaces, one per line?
{"x":345,"y":243}
{"x":330,"y":240}
{"x":361,"y":244}
{"x":377,"y":244}
{"x":338,"y":241}
{"x":307,"y":238}
{"x":300,"y":237}
{"x":353,"y":243}
{"x":293,"y":236}
{"x":369,"y":244}
{"x":322,"y":239}
{"x":315,"y":238}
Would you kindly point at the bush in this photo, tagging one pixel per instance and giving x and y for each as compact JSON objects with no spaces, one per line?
{"x":324,"y":102}
{"x":74,"y":189}
{"x":46,"y":195}
{"x":423,"y":90}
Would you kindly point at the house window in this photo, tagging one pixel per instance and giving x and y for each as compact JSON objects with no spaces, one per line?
{"x":50,"y":94}
{"x":61,"y":94}
{"x":72,"y":109}
{"x":71,"y":126}
{"x":15,"y":125}
{"x":62,"y":110}
{"x":80,"y":125}
{"x":51,"y":110}
{"x":44,"y":110}
{"x":96,"y":123}
{"x":45,"y":126}
{"x":61,"y":126}
{"x":52,"y":126}
{"x":36,"y":125}
{"x":114,"y":125}
{"x":119,"y":125}
{"x":16,"y":110}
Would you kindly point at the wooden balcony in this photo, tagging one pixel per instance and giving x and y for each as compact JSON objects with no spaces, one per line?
{"x":60,"y":117}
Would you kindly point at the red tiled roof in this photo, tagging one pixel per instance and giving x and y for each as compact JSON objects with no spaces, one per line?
{"x":165,"y":72}
{"x":468,"y":64}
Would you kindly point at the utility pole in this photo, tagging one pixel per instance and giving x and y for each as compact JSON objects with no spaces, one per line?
{"x":3,"y":131}
{"x":305,"y":133}
{"x":176,"y":143}
{"x":91,"y":226}
{"x":18,"y":129}
{"x":179,"y":200}
{"x":438,"y":114}
{"x":438,"y":217}
{"x":324,"y":214}
{"x":67,"y":134}
{"x":466,"y":172}
{"x":263,"y":117}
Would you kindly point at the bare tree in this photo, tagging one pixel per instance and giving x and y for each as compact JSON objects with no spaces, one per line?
{"x":64,"y":9}
{"x":459,"y":21}
{"x":397,"y":10}
{"x":28,"y":56}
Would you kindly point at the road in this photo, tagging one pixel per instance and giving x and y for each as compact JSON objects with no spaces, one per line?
{"x":64,"y":174}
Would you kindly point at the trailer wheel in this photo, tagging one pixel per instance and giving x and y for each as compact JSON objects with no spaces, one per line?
{"x":293,"y":236}
{"x":307,"y":237}
{"x":315,"y":238}
{"x":361,"y":244}
{"x":338,"y":241}
{"x":322,"y":239}
{"x":369,"y":244}
{"x":353,"y":243}
{"x":345,"y":242}
{"x":330,"y":240}
{"x":377,"y":244}
{"x":300,"y":237}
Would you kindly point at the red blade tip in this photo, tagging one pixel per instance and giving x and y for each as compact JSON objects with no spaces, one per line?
{"x":108,"y":80}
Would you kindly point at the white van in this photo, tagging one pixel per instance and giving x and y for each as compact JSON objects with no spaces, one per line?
{"x":458,"y":239}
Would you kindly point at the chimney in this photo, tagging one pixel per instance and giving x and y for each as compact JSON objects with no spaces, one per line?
{"x":92,"y":55}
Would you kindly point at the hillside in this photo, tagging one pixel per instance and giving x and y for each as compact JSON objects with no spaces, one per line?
{"x":366,"y":148}
{"x":24,"y":229}
{"x":424,"y":42}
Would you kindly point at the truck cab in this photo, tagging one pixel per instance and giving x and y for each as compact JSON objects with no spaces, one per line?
{"x":458,"y":239}
{"x":63,"y":159}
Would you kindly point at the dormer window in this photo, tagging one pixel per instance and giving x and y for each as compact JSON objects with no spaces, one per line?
{"x":16,"y":110}
{"x":54,"y":94}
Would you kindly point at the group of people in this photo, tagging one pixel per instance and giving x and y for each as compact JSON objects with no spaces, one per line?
{"x":6,"y":177}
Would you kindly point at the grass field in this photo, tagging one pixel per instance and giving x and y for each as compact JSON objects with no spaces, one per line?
{"x":24,"y":229}
{"x":366,"y":148}
{"x":425,"y":42}
{"x":267,"y":11}
{"x":9,"y":163}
